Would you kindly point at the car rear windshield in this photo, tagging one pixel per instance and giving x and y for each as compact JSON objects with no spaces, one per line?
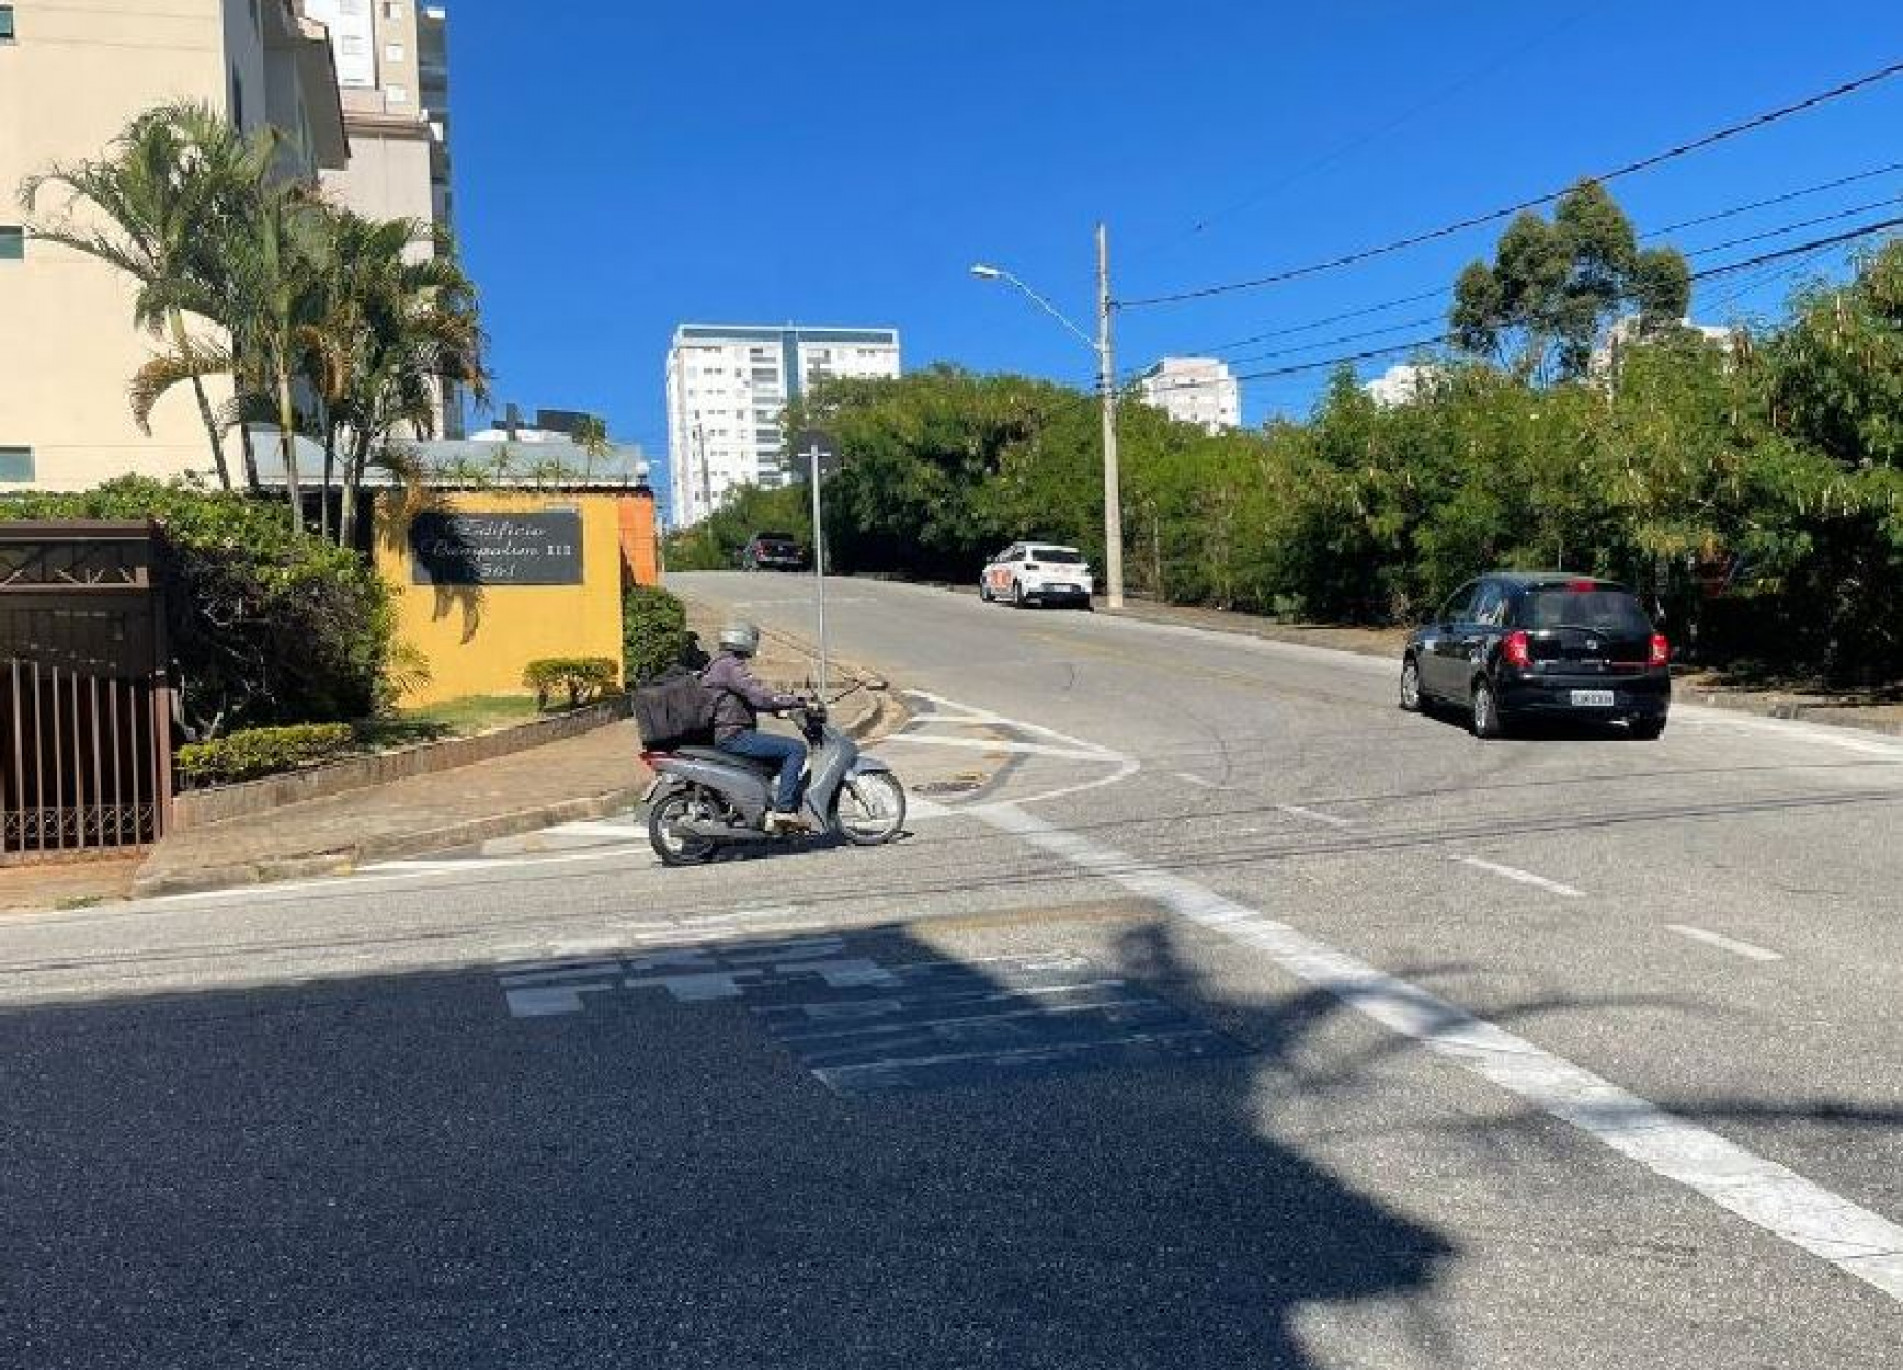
{"x":774,"y":537}
{"x":1057,"y":556}
{"x":1601,"y":610}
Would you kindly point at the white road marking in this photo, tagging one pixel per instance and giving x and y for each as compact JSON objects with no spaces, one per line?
{"x":1731,"y":944}
{"x":1518,"y":876}
{"x":1315,"y":816}
{"x":1857,"y":1241}
{"x":982,"y":744}
{"x":1198,"y":781}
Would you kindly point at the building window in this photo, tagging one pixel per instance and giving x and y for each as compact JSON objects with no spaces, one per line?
{"x":16,"y":464}
{"x":393,"y":52}
{"x":397,"y":95}
{"x":392,"y":10}
{"x":6,"y":23}
{"x":237,"y":98}
{"x":12,"y":243}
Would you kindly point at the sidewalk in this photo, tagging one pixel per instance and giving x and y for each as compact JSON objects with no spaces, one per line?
{"x":588,"y":776}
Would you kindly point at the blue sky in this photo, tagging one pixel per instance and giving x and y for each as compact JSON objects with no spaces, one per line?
{"x":625,"y":167}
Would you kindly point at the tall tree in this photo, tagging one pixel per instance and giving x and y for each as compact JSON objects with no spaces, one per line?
{"x":1552,"y":287}
{"x":165,"y":194}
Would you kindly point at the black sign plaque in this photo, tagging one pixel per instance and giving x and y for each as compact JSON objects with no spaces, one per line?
{"x":496,"y":549}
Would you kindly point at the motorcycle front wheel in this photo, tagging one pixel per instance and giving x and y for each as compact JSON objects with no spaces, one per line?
{"x":870,"y":809}
{"x":667,"y":821}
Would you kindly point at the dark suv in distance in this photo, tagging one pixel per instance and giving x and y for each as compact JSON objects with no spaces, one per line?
{"x":772,"y":552}
{"x":1518,"y":645}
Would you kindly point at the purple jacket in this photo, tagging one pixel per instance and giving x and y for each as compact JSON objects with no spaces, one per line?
{"x":739,"y":696}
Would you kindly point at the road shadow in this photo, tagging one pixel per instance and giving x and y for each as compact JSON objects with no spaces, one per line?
{"x":819,"y":1151}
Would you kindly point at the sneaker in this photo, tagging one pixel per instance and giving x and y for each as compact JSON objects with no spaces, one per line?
{"x":776,"y":821}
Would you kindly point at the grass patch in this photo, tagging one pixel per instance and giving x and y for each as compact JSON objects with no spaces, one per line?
{"x":464,"y":717}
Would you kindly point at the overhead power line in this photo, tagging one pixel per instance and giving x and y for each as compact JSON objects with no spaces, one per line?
{"x":1715,"y":216}
{"x":1805,"y":249}
{"x":1766,"y":203}
{"x":1685,"y":149}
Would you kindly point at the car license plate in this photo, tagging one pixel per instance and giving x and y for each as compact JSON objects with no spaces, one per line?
{"x":1592,"y":699}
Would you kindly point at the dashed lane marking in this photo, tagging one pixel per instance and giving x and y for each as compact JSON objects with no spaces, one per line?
{"x":1749,"y":951}
{"x":1520,"y":877}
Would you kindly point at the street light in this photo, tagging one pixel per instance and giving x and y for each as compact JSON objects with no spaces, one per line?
{"x":1106,"y":386}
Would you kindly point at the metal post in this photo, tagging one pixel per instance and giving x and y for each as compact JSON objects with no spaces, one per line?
{"x":1107,"y":386}
{"x":819,"y":566}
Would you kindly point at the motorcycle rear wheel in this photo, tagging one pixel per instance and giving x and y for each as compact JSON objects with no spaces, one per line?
{"x":673,"y":846}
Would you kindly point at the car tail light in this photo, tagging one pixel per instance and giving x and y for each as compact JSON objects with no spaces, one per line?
{"x":1582,"y":587}
{"x":1517,"y":649}
{"x":1661,"y":650}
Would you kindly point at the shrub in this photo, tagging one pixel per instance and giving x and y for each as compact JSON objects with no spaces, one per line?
{"x":582,"y":678}
{"x":256,"y":752}
{"x":653,"y":632}
{"x":264,"y":628}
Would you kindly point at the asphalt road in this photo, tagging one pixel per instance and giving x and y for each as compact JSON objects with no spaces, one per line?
{"x":1214,"y":1013}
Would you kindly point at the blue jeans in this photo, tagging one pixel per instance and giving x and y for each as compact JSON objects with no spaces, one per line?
{"x":789,"y":752}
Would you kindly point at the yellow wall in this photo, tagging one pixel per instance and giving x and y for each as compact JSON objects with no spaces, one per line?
{"x":477,"y":640}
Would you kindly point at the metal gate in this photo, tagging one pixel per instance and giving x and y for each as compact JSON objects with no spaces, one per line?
{"x":85,"y":707}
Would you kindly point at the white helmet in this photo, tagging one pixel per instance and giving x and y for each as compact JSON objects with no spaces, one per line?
{"x":742,"y":639}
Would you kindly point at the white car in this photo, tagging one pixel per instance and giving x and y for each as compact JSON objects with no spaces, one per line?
{"x":1037,"y":573}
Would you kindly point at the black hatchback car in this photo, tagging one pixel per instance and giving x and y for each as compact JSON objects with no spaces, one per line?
{"x":1517,"y":645}
{"x":773,"y":552}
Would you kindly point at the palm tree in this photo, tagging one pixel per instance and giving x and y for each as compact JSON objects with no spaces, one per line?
{"x":173,"y":184}
{"x":418,"y":329}
{"x":591,"y":435}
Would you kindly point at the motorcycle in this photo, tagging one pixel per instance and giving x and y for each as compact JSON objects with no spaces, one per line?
{"x":703,"y":799}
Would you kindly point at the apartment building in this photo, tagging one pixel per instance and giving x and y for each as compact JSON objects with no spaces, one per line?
{"x":727,"y":388}
{"x":392,"y":59}
{"x":71,"y":76}
{"x":1198,"y":390}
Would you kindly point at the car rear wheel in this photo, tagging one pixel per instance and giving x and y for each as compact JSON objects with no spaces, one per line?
{"x":1487,"y":722}
{"x":1648,"y":729}
{"x":984,"y":591}
{"x":1411,"y":685}
{"x":1017,"y":594}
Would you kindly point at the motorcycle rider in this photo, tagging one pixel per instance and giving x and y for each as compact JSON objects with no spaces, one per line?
{"x":740,"y":698}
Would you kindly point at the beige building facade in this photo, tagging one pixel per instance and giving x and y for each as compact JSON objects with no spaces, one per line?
{"x":72,"y":74}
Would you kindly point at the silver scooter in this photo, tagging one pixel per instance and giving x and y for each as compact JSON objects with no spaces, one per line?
{"x":703,"y":799}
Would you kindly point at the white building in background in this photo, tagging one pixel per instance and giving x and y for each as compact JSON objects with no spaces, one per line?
{"x":1403,"y":384}
{"x":727,"y":388}
{"x":1625,"y":334}
{"x":1198,"y":390}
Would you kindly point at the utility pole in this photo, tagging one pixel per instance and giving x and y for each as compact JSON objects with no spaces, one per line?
{"x":813,"y":453}
{"x":1107,"y":385}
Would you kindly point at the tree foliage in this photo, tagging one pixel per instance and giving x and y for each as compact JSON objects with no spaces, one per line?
{"x":1751,"y":492}
{"x":1552,"y":287}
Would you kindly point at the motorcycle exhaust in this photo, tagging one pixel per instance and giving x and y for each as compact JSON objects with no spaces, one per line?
{"x":713,"y":830}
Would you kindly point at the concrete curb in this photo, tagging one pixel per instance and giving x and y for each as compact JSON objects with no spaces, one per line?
{"x":341,"y":862}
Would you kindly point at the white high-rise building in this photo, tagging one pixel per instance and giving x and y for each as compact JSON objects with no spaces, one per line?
{"x":1198,"y":390}
{"x":727,"y":389}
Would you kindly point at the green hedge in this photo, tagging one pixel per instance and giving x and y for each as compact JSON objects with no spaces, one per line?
{"x":257,"y":752}
{"x":653,"y":632}
{"x":581,"y":678}
{"x":263,"y":628}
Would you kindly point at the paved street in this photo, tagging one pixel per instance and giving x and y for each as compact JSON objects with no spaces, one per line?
{"x":1213,"y":1013}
